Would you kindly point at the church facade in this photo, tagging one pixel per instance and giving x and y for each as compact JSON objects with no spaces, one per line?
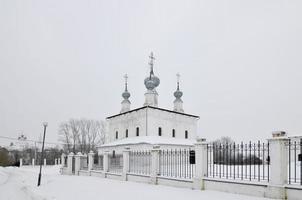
{"x":149,"y":125}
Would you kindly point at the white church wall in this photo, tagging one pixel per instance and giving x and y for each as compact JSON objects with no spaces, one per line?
{"x":148,"y":120}
{"x":169,"y":121}
{"x":128,"y":121}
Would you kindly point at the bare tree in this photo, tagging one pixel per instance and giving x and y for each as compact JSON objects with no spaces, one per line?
{"x":83,"y":135}
{"x":65,"y":135}
{"x":75,"y":129}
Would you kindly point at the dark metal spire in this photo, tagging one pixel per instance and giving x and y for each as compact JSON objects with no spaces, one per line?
{"x":151,"y":63}
{"x":126,"y":82}
{"x":178,"y":78}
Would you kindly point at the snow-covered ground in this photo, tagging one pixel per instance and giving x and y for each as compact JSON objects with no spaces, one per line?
{"x":20,"y":184}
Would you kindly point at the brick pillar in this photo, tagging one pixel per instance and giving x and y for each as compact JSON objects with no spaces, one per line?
{"x":201,"y":163}
{"x":69,"y":163}
{"x":126,"y":153}
{"x":90,"y":160}
{"x":155,"y":152}
{"x":278,"y":165}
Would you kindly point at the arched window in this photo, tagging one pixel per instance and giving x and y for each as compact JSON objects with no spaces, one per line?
{"x":126,"y":133}
{"x":186,"y":134}
{"x":173,"y":133}
{"x":137,"y":131}
{"x":159,"y":131}
{"x":116,"y":135}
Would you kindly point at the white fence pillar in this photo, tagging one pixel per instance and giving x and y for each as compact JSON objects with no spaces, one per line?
{"x":44,"y":161}
{"x":106,"y":161}
{"x":278,"y":166}
{"x":63,"y":159}
{"x":155,"y":152}
{"x":90,"y":160}
{"x":33,"y":162}
{"x":77,"y":163}
{"x":125,"y":163}
{"x":69,"y":163}
{"x":21,"y":162}
{"x":200,"y":164}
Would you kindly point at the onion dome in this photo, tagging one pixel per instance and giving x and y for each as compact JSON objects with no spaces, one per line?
{"x":178,"y":94}
{"x":126,"y":94}
{"x":151,"y":81}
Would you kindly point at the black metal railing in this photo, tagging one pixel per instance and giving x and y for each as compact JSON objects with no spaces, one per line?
{"x":84,"y":163}
{"x":115,"y":163}
{"x":98,"y":163}
{"x":250,"y":161}
{"x":295,"y":161}
{"x":176,"y":164}
{"x":140,"y":162}
{"x":65,"y":161}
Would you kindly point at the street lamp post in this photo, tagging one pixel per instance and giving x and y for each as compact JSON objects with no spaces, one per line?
{"x":42,"y":156}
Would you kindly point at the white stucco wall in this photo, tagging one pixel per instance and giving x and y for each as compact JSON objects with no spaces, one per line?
{"x":149,"y":120}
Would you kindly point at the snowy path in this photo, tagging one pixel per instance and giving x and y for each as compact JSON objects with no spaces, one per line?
{"x":20,"y":184}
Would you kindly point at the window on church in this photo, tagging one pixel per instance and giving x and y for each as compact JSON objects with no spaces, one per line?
{"x":126,"y":133}
{"x":116,"y":135}
{"x":137,"y":131}
{"x":159,"y":131}
{"x":186,"y":134}
{"x":173,"y":133}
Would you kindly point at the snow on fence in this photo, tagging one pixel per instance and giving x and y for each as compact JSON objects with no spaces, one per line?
{"x":115,"y":163}
{"x":294,"y":162}
{"x":249,"y":161}
{"x":176,"y":163}
{"x":271,"y":169}
{"x":140,"y":162}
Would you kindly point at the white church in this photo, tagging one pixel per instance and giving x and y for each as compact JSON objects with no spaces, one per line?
{"x":147,"y":126}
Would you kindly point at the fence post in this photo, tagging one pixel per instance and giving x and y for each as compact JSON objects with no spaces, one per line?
{"x":106,"y":162}
{"x":33,"y":162}
{"x":278,"y":165}
{"x":44,"y":161}
{"x":125,"y":163}
{"x":90,"y":160}
{"x":21,"y":162}
{"x":155,"y":152}
{"x":77,"y":163}
{"x":63,"y":159}
{"x":200,"y":164}
{"x":69,"y":163}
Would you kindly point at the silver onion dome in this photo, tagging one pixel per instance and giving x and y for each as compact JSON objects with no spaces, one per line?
{"x":178,"y":94}
{"x":126,"y":94}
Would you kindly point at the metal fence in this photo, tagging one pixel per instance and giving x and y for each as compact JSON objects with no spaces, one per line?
{"x":115,"y":163}
{"x":140,"y":162}
{"x":176,"y":164}
{"x":65,"y":161}
{"x":295,"y":161}
{"x":84,"y":162}
{"x":249,"y":161}
{"x":98,"y":162}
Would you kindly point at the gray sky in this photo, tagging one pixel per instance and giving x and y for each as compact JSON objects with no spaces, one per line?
{"x":240,"y":62}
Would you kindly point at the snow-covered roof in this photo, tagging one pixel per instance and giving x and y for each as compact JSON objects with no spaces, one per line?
{"x":154,"y":140}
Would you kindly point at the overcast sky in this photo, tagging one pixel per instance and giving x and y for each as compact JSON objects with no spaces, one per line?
{"x":240,"y":62}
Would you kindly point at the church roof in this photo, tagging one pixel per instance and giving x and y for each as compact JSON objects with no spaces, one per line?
{"x":153,"y":140}
{"x":156,"y":108}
